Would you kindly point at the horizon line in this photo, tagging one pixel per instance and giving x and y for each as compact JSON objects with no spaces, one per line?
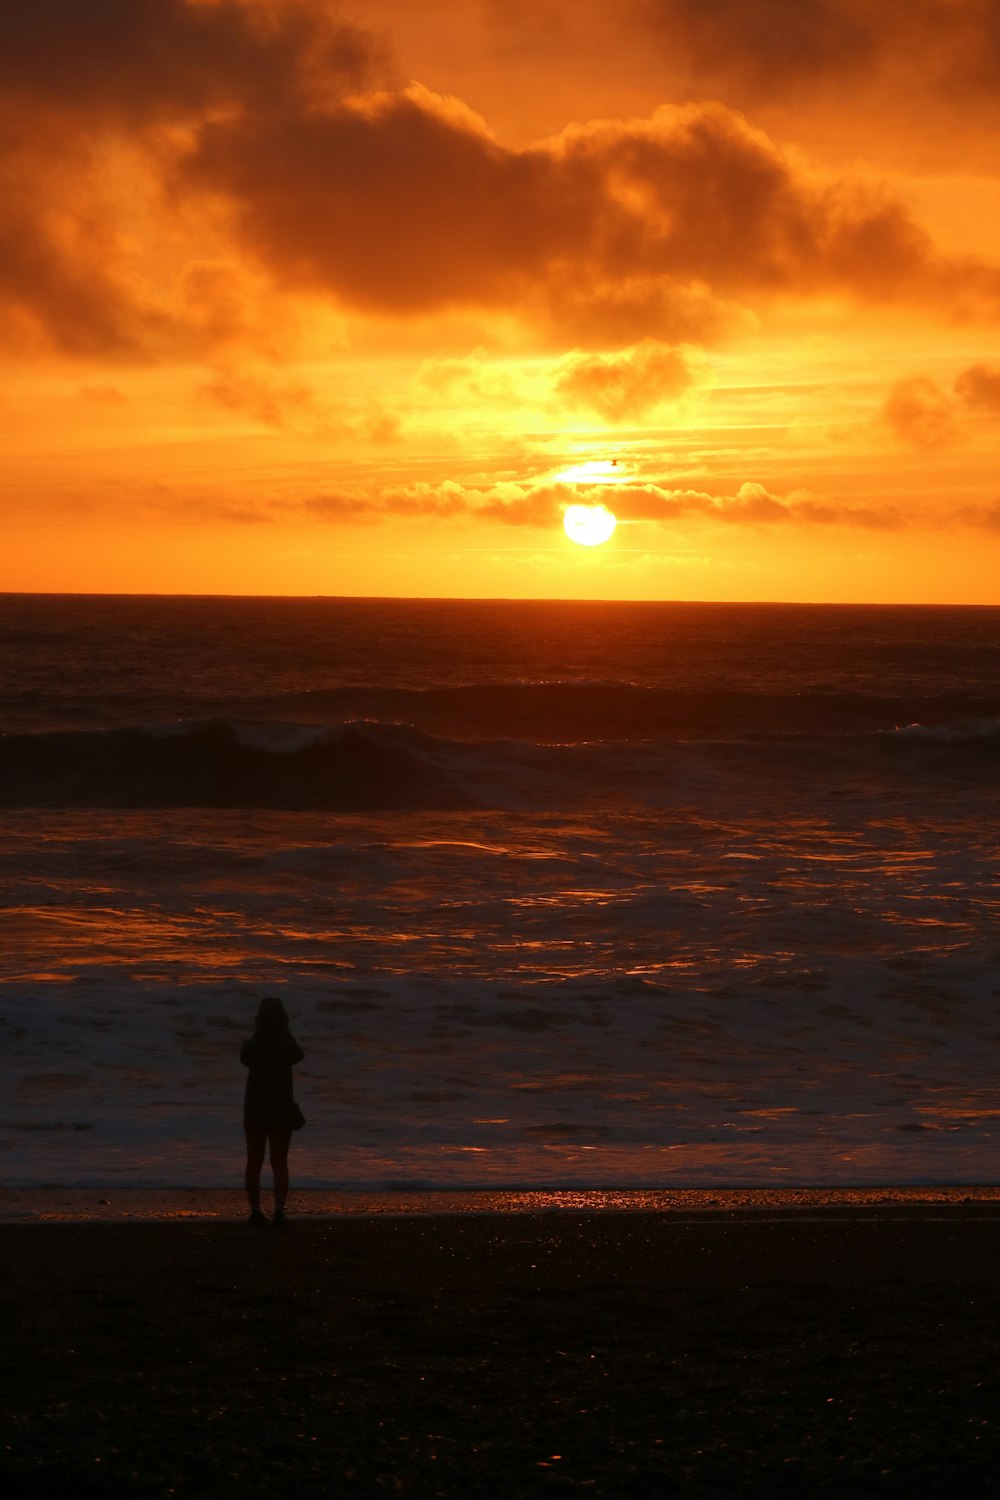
{"x":505,"y":599}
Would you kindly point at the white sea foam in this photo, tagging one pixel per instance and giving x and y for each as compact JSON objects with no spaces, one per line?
{"x":862,"y":1075}
{"x":969,"y":729}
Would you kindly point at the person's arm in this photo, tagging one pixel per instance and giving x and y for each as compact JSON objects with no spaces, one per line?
{"x":246,"y":1053}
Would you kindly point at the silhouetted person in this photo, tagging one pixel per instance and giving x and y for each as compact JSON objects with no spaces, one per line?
{"x":268,"y":1103}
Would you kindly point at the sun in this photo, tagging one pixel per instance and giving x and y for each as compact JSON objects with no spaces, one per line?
{"x":590,"y":525}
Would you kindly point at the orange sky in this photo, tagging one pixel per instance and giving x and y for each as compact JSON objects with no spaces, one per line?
{"x":306,"y":297}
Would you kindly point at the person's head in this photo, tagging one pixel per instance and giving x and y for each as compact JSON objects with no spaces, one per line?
{"x":271,"y":1015}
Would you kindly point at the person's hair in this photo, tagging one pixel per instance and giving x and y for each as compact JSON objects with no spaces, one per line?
{"x":271,"y":1015}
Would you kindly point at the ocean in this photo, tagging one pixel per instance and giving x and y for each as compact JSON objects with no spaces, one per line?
{"x":557,"y":895}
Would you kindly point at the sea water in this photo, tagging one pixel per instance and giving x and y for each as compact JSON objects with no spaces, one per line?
{"x":576,"y":895}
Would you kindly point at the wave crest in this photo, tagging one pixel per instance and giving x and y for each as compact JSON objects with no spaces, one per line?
{"x":221,"y":763}
{"x":366,"y":765}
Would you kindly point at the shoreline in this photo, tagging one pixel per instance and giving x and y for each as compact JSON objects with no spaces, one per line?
{"x":110,"y":1205}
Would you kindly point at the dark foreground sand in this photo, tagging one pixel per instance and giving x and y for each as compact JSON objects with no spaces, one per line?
{"x":842,"y":1351}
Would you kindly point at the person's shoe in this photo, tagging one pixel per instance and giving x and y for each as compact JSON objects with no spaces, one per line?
{"x":256,"y":1219}
{"x":279,"y":1221}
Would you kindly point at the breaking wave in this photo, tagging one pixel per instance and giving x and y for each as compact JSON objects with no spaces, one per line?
{"x":369,"y":766}
{"x":219,"y":763}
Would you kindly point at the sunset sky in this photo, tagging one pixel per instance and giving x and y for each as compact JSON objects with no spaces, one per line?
{"x":301,"y":297}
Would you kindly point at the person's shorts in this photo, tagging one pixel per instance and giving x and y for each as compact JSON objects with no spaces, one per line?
{"x":268,"y":1119}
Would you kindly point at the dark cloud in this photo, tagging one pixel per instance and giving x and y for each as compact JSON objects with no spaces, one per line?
{"x":893,"y":80}
{"x":770,"y":41}
{"x":78,"y":76}
{"x":147,"y":60}
{"x":404,"y":203}
{"x":772,"y":48}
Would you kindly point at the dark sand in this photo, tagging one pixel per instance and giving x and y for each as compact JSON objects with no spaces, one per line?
{"x":840,"y":1351}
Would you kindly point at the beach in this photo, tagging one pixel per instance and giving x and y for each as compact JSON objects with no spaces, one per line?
{"x":846,"y":1349}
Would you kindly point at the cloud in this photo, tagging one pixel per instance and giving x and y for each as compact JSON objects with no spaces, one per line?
{"x":772,"y":44}
{"x":354,"y":509}
{"x":444,"y":501}
{"x":398,"y":203}
{"x":763,"y":48}
{"x":404,"y":204}
{"x":984,"y":518}
{"x":137,"y":62}
{"x":65,"y":269}
{"x":541,"y":505}
{"x":471,"y":379}
{"x":752,"y":504}
{"x":919,"y":412}
{"x":288,"y":405}
{"x":89,"y":93}
{"x":627,"y":385}
{"x":247,"y":132}
{"x":619,"y":308}
{"x":922,"y":414}
{"x":215,"y":301}
{"x":100,"y":393}
{"x":978,"y":388}
{"x":274,"y":403}
{"x":537,"y":505}
{"x":617,"y":386}
{"x":891,"y":80}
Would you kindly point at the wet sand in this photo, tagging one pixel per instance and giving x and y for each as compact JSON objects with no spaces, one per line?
{"x":845,"y":1351}
{"x":60,"y":1204}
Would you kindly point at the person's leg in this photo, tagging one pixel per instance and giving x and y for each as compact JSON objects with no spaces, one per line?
{"x":279,"y":1141}
{"x":256,"y":1142}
